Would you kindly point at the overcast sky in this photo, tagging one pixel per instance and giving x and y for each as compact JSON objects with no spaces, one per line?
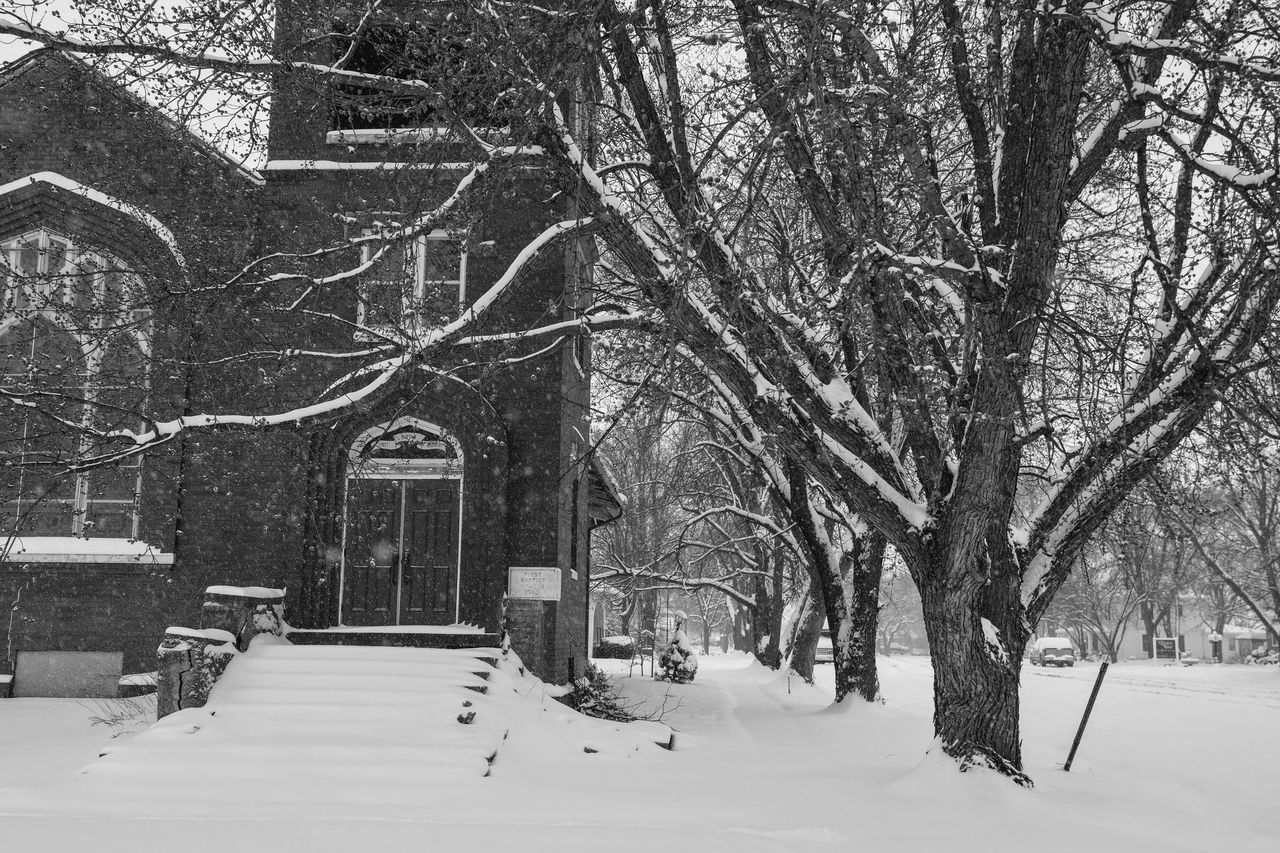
{"x":12,"y":47}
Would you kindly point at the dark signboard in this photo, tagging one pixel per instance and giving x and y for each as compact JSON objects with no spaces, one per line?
{"x":1166,"y":648}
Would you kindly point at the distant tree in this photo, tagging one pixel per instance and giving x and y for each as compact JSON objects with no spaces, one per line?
{"x":900,"y":613}
{"x":1228,"y":512}
{"x":1099,"y":599}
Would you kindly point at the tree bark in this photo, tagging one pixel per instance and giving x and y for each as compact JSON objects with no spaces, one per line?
{"x":647,"y":605}
{"x":767,"y":624}
{"x":1150,"y":624}
{"x":848,"y":587}
{"x":808,"y":628}
{"x":743,"y":630}
{"x":975,"y":681}
{"x":855,"y":621}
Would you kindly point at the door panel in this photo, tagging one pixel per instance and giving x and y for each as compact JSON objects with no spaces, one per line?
{"x":393,"y":524}
{"x":431,"y":559}
{"x":373,"y":552}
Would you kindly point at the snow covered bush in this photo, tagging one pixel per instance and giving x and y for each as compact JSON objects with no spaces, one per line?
{"x":618,"y":648}
{"x":678,"y":662}
{"x":594,"y":695}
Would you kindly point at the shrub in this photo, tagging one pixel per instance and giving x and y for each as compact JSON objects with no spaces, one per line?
{"x":594,"y":695}
{"x":678,"y":662}
{"x":616,"y":648}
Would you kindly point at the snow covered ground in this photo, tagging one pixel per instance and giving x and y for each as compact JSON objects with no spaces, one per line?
{"x":1174,"y":759}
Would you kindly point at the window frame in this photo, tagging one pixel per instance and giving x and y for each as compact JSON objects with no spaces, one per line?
{"x":53,"y":304}
{"x":417,"y":256}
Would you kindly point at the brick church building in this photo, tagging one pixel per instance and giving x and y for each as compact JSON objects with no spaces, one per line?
{"x":147,"y":277}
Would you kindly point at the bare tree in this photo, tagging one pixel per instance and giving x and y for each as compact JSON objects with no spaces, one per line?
{"x":1229,"y":513}
{"x":900,"y":612}
{"x":1037,"y":241}
{"x":1100,"y":598}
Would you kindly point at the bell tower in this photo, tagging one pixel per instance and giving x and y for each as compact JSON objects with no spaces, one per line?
{"x":460,"y":493}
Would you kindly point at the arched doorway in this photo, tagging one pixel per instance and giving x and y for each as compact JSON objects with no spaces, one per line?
{"x":402,"y":526}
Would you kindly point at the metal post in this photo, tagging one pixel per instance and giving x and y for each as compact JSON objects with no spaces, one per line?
{"x":1177,"y":629}
{"x":1088,"y":709}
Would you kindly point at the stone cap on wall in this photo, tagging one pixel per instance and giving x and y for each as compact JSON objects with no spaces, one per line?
{"x":213,"y":635}
{"x":75,"y":549}
{"x":245,"y":591}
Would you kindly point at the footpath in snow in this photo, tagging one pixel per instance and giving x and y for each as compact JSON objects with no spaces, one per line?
{"x":1175,"y":759}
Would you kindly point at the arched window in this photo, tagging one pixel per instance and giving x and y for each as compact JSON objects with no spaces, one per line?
{"x":74,"y":341}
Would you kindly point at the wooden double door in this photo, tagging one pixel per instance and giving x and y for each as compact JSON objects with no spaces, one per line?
{"x":400,"y":563}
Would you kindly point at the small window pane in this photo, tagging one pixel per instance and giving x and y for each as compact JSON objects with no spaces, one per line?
{"x":109,"y":519}
{"x":111,"y":499}
{"x":28,"y":258}
{"x":443,"y":261}
{"x":389,"y":286}
{"x":58,"y":256}
{"x":84,"y":285}
{"x":383,"y":302}
{"x":44,"y":506}
{"x":115,"y":292}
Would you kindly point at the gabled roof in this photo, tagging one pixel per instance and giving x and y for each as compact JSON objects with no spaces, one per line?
{"x":45,"y":57}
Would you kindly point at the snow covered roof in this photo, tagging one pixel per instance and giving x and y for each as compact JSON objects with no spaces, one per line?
{"x":1244,"y":632}
{"x":44,"y":56}
{"x":605,"y":501}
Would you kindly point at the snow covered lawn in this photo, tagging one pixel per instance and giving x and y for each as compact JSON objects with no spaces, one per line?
{"x":1174,"y":759}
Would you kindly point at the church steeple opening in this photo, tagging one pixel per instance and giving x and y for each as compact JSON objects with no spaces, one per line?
{"x":448,"y":75}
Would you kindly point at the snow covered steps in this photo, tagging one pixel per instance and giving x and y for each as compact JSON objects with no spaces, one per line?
{"x":365,"y":731}
{"x":315,"y":723}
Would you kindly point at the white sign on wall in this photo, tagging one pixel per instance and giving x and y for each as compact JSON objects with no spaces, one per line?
{"x":534,"y":582}
{"x":1166,"y":648}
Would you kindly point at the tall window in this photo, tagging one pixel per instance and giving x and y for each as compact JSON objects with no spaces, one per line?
{"x":74,"y":345}
{"x":412,"y":284}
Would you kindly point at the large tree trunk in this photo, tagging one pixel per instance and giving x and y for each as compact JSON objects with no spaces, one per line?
{"x":976,"y":664}
{"x":848,"y":585}
{"x":647,"y":605}
{"x":804,"y":637}
{"x":627,"y":612}
{"x":767,"y":624}
{"x":855,"y":619}
{"x":1147,"y":613}
{"x":743,"y":629}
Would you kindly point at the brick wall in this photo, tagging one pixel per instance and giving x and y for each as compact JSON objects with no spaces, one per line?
{"x":78,"y":607}
{"x":265,"y":508}
{"x":56,"y":116}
